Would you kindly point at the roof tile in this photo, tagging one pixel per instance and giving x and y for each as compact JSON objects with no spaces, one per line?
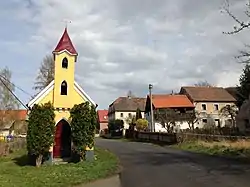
{"x":171,"y":101}
{"x":129,"y":104}
{"x":204,"y":93}
{"x":102,"y":116}
{"x":65,"y":44}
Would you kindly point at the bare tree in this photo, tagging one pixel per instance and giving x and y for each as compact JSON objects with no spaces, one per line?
{"x":167,"y":118}
{"x":192,"y":118}
{"x":240,"y":25}
{"x":7,"y":101}
{"x":229,"y":111}
{"x":203,"y":83}
{"x":130,"y":119}
{"x":45,"y":74}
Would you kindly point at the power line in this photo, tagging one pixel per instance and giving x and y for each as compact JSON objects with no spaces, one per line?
{"x":16,"y":86}
{"x":13,"y":94}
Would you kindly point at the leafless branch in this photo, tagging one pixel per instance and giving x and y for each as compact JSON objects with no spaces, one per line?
{"x":241,"y":25}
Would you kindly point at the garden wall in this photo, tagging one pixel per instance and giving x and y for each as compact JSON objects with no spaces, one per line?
{"x":168,"y":138}
{"x":172,"y":138}
{"x":11,"y":146}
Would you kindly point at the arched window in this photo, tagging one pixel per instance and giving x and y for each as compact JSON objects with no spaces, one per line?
{"x":64,"y":88}
{"x":65,"y":63}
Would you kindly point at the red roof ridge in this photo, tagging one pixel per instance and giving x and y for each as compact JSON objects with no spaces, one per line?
{"x":65,"y":43}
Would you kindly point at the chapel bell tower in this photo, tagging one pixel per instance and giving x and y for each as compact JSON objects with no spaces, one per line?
{"x":65,"y":57}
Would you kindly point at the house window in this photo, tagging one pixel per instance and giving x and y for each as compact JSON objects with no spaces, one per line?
{"x":204,"y":107}
{"x":129,"y":115}
{"x":217,"y":122}
{"x":65,"y":63}
{"x":64,"y":88}
{"x":204,"y":121}
{"x":216,"y":107}
{"x":121,"y":115}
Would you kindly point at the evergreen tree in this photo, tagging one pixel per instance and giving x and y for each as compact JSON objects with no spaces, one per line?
{"x":83,"y":125}
{"x":243,"y":90}
{"x":138,"y":114}
{"x":41,"y":128}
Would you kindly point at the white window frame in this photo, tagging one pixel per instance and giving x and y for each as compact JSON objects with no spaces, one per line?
{"x":202,"y":106}
{"x":217,"y":105}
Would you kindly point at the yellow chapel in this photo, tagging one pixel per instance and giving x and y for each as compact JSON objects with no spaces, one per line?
{"x":63,"y":92}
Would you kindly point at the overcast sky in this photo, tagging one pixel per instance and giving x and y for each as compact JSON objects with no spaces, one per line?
{"x":124,"y":44}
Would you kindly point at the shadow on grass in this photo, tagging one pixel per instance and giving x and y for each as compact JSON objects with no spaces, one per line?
{"x":22,"y":160}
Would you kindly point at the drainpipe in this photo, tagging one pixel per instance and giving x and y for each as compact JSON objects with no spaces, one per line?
{"x":150,"y":87}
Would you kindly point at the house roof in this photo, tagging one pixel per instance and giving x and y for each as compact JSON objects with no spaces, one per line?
{"x":8,"y":117}
{"x":50,"y":87}
{"x":17,"y":114}
{"x":204,"y":93}
{"x":102,"y":116}
{"x":129,"y":104}
{"x":171,"y":101}
{"x":233,"y":91}
{"x":65,"y":44}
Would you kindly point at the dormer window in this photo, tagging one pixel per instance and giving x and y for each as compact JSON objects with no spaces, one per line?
{"x":65,"y":63}
{"x":64,"y":88}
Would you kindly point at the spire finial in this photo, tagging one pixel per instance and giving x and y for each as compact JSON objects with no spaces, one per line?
{"x":66,"y":21}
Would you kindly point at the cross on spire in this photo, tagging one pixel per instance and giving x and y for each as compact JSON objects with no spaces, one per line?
{"x":67,"y":21}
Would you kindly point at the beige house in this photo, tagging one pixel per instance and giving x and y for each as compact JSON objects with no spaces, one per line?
{"x":208,"y":102}
{"x":125,"y":107}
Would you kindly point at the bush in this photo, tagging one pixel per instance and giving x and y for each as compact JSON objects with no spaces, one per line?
{"x":141,"y":124}
{"x":115,"y":127}
{"x":83,"y":125}
{"x":41,"y":129}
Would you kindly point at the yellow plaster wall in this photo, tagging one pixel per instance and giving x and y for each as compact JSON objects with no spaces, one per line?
{"x":61,"y":74}
{"x":61,"y":115}
{"x":210,"y":106}
{"x":48,"y":97}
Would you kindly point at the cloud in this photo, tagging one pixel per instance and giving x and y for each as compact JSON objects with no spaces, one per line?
{"x":125,"y":45}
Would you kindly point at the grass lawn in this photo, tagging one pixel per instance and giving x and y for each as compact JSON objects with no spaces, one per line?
{"x":14,"y":171}
{"x":224,"y":148}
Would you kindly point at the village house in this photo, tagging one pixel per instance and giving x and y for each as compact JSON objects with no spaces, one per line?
{"x":124,"y":108}
{"x":208,"y":102}
{"x":13,"y":122}
{"x":180,"y":104}
{"x":63,"y":92}
{"x":102,"y":119}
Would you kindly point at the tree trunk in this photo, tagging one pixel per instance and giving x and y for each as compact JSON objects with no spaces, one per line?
{"x":39,"y":159}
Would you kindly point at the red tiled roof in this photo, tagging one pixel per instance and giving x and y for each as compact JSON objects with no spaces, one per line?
{"x":17,"y":114}
{"x":102,"y":116}
{"x":171,"y":101}
{"x":65,"y":44}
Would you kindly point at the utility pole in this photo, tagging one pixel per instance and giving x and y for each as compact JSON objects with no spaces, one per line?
{"x":150,"y":87}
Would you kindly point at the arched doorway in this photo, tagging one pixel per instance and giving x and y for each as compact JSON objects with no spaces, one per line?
{"x":62,"y":140}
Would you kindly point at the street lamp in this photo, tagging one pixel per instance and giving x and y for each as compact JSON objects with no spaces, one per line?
{"x":150,"y":87}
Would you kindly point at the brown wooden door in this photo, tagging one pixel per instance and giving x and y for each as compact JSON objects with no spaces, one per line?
{"x":57,"y":141}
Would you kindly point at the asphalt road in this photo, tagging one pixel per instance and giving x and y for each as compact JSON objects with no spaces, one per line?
{"x":147,"y":165}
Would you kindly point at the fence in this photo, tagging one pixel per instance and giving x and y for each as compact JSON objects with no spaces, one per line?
{"x":11,"y":146}
{"x":172,"y":138}
{"x":168,"y":138}
{"x":183,"y":137}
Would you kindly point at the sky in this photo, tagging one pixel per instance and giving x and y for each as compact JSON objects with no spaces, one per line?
{"x":124,"y":45}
